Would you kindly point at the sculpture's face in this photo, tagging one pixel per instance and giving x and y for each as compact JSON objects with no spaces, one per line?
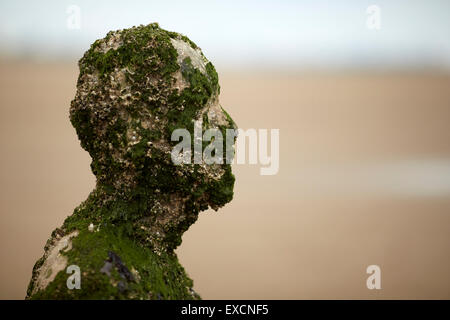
{"x":136,"y":86}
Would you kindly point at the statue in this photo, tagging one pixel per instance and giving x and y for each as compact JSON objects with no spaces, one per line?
{"x":136,"y":86}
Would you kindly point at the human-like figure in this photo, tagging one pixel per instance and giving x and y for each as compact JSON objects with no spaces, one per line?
{"x":136,"y":86}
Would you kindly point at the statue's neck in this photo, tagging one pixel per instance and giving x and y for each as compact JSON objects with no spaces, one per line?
{"x":152,"y":218}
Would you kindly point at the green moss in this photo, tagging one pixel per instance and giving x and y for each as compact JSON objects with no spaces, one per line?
{"x":222,"y":190}
{"x":193,"y":98}
{"x":157,"y":276}
{"x":136,"y":50}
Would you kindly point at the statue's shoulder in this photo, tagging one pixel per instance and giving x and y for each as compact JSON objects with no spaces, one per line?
{"x":103,"y":263}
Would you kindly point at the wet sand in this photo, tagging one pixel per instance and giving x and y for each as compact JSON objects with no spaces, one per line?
{"x":364,"y":179}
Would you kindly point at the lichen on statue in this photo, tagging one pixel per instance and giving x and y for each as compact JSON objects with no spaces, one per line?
{"x":135,"y":87}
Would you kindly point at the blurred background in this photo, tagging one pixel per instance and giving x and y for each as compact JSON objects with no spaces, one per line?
{"x":360,"y":91}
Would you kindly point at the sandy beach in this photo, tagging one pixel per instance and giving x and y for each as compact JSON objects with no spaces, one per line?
{"x":364,"y":179}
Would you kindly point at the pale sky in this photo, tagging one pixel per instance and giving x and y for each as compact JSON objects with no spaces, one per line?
{"x":302,"y":34}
